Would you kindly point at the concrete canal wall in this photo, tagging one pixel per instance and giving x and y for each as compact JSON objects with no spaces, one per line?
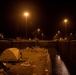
{"x":65,"y":48}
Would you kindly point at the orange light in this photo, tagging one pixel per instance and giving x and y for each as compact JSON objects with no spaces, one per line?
{"x":38,"y":30}
{"x":26,"y":14}
{"x":65,"y":20}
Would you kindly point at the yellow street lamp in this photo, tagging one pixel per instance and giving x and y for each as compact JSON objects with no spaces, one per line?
{"x":65,"y":21}
{"x":26,"y":15}
{"x":58,"y":32}
{"x":42,"y":35}
{"x":38,"y":32}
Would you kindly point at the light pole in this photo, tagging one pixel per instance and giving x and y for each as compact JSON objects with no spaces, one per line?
{"x":58,"y":34}
{"x":26,"y":14}
{"x":42,"y":35}
{"x":38,"y":32}
{"x":65,"y":21}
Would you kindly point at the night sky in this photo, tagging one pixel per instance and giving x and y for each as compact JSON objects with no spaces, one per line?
{"x":48,"y":16}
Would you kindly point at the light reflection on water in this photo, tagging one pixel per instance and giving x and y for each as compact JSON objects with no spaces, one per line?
{"x":60,"y":67}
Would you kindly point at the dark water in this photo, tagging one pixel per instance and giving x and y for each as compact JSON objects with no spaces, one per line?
{"x":59,"y":67}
